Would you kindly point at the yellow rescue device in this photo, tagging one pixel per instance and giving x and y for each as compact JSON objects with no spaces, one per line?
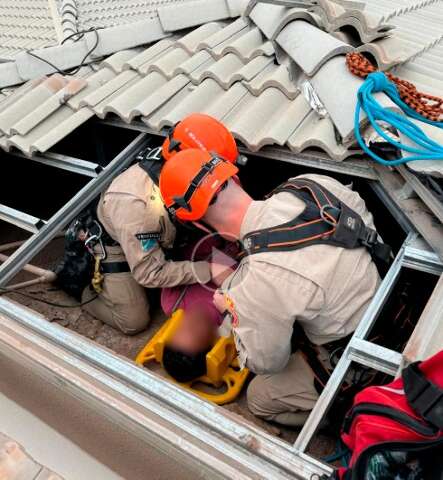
{"x":222,"y":367}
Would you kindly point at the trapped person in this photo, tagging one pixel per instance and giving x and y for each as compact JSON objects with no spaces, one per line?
{"x":184,"y":358}
{"x":307,"y":258}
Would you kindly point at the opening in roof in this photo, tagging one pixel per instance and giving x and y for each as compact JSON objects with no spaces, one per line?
{"x":51,"y":188}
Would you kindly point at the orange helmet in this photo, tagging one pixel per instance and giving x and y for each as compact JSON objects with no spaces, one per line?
{"x":190,"y":181}
{"x":202,"y":132}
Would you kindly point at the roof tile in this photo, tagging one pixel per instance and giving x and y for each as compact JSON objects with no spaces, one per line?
{"x":297,"y":34}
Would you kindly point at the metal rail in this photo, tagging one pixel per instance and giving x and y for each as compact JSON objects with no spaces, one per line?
{"x":354,"y":167}
{"x":86,"y":195}
{"x":20,"y":219}
{"x":63,"y":162}
{"x":164,"y":414}
{"x":413,"y":254}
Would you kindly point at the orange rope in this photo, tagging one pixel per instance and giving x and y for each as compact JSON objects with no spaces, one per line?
{"x":429,"y":106}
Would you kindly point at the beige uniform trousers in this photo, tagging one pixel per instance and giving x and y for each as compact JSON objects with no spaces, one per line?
{"x":123,"y":303}
{"x":286,"y":397}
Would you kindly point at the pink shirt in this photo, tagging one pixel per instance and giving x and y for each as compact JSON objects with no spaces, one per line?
{"x":197,"y":295}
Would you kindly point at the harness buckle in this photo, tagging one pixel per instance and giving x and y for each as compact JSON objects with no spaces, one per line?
{"x":369,"y":238}
{"x":247,"y":245}
{"x":323,"y":211}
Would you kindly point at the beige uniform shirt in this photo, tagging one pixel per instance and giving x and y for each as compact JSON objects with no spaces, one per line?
{"x":325,"y":288}
{"x":133,"y":214}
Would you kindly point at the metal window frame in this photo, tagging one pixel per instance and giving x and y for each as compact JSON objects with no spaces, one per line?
{"x":354,"y":167}
{"x":20,"y":219}
{"x":359,"y":349}
{"x":50,"y":229}
{"x":62,"y":162}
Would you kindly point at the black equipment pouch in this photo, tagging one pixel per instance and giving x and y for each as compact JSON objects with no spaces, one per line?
{"x":76,"y":269}
{"x":325,"y":220}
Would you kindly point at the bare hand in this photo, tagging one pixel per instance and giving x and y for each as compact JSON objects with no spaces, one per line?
{"x":219,"y":273}
{"x":220,"y":301}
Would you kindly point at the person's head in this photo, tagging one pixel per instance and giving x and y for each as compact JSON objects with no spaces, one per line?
{"x":184,"y":356}
{"x":201,"y":187}
{"x":202,"y":132}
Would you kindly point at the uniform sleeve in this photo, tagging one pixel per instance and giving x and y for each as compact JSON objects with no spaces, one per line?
{"x":137,"y":232}
{"x":264,"y":306}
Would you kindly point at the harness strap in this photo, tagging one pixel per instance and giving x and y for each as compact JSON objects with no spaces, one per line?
{"x":324,"y":220}
{"x":114,"y":267}
{"x":423,"y":396}
{"x":150,"y":160}
{"x":301,"y":343}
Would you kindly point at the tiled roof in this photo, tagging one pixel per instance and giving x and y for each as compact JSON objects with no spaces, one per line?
{"x":109,"y":13}
{"x":392,"y":31}
{"x":226,"y":70}
{"x":25,"y":24}
{"x":405,"y":36}
{"x":274,"y":78}
{"x":126,"y":24}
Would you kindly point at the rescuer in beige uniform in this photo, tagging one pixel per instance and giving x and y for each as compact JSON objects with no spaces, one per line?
{"x":323,"y":287}
{"x":132,"y":213}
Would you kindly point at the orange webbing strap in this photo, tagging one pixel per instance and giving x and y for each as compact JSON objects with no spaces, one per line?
{"x":316,"y":223}
{"x":429,"y":106}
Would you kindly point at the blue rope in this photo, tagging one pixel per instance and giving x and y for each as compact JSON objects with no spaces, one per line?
{"x":427,"y":149}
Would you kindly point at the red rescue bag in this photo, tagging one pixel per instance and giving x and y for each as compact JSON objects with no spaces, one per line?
{"x":395,"y":431}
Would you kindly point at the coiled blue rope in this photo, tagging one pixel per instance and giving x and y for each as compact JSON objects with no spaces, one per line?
{"x":427,"y":149}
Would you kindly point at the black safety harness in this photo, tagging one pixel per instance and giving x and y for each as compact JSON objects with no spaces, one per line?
{"x":325,"y":220}
{"x":150,"y":160}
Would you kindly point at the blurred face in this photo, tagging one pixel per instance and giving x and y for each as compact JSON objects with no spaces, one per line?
{"x":196,"y":332}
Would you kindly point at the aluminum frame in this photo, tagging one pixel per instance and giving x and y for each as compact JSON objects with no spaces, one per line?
{"x":359,"y":349}
{"x":63,"y":162}
{"x":163,"y":411}
{"x":20,"y":219}
{"x":357,"y":168}
{"x":47,"y":232}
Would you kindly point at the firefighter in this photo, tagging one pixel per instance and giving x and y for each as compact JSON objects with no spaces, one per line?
{"x":131,"y":230}
{"x":306,"y":261}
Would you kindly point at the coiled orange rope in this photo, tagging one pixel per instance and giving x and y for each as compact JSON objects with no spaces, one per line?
{"x":429,"y":106}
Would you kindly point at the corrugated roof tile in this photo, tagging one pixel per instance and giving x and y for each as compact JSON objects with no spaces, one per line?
{"x":129,"y":104}
{"x":192,"y":40}
{"x":228,"y":70}
{"x":297,"y":34}
{"x":276,"y":76}
{"x":185,"y":15}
